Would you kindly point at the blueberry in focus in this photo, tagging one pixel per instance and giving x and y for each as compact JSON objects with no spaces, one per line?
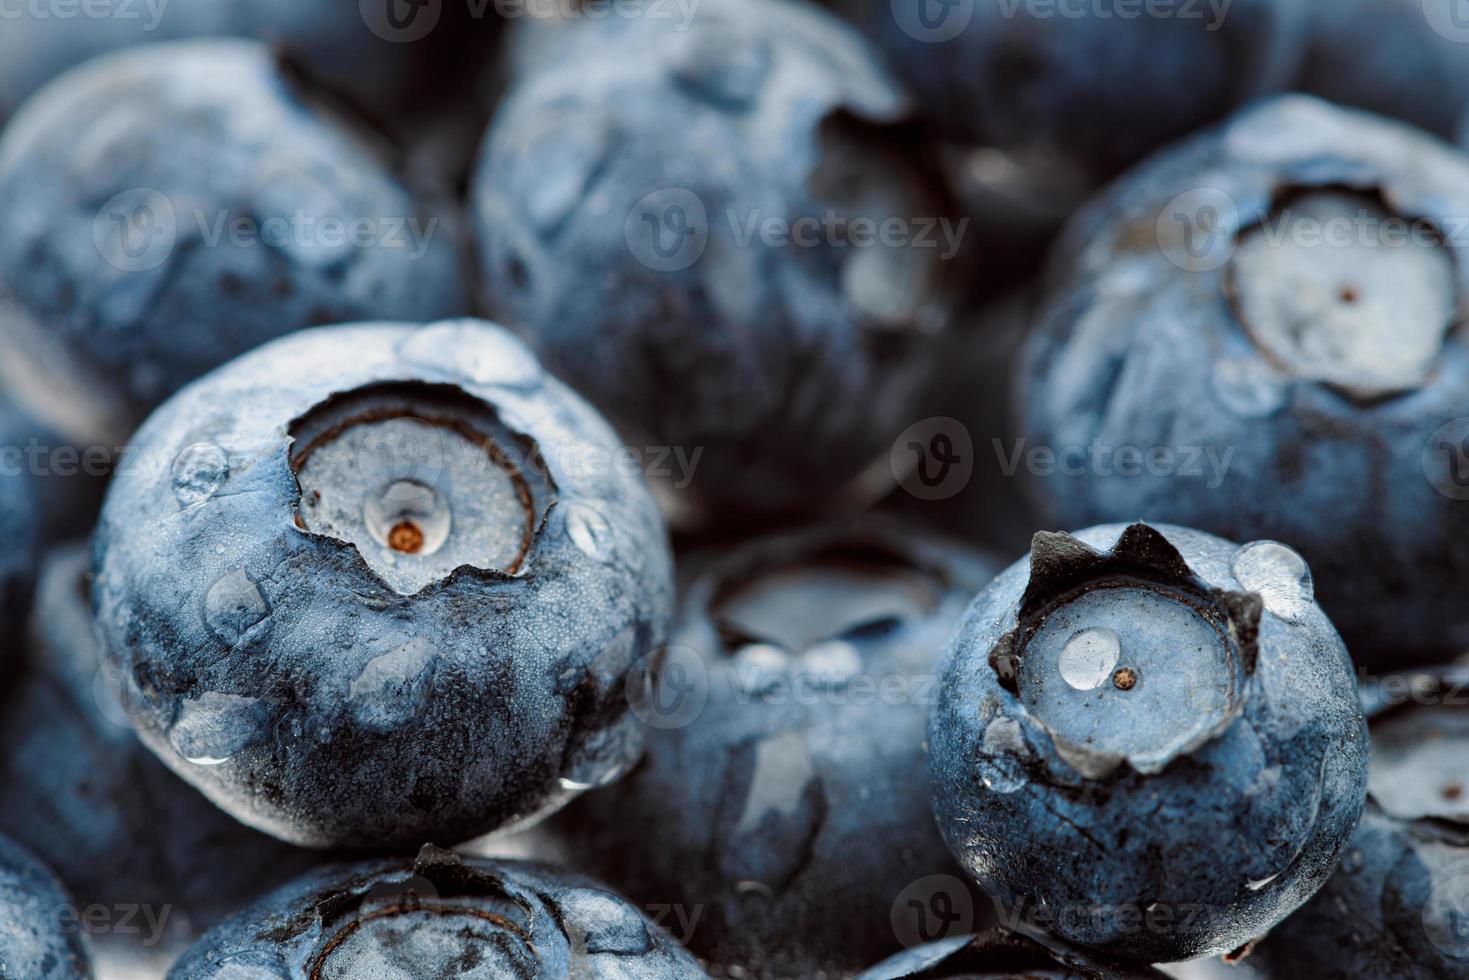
{"x":37,"y":940}
{"x":214,"y":205}
{"x":999,"y":955}
{"x":1148,"y":741}
{"x":1395,"y":908}
{"x":1256,"y":334}
{"x":439,"y":917}
{"x":687,"y":217}
{"x":83,"y":794}
{"x":784,"y":777}
{"x":1083,"y":86}
{"x":379,"y":583}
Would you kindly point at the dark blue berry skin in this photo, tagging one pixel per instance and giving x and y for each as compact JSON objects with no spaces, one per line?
{"x":439,"y":918}
{"x":82,"y":792}
{"x":783,"y":797}
{"x":614,"y":195}
{"x":382,"y":582}
{"x":197,"y":221}
{"x":1155,"y":815}
{"x":20,"y":528}
{"x":1395,"y":906}
{"x":999,"y":955}
{"x":1081,"y":86}
{"x":1141,"y":343}
{"x":40,"y":935}
{"x":1387,"y":57}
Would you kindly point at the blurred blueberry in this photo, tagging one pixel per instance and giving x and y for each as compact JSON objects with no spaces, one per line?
{"x":439,"y":916}
{"x":725,"y":234}
{"x":21,"y":525}
{"x":1148,"y":741}
{"x":84,"y":794}
{"x":1084,"y":87}
{"x":212,"y":206}
{"x":40,"y":932}
{"x":784,"y":777}
{"x":1397,"y":907}
{"x":1254,"y":334}
{"x":375,"y":583}
{"x":999,"y":955}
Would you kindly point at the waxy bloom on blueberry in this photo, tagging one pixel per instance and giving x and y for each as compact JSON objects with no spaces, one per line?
{"x":439,"y":917}
{"x":34,"y":945}
{"x":721,"y":233}
{"x":787,"y":739}
{"x":1149,"y":736}
{"x":1255,"y":334}
{"x":214,"y":205}
{"x":388,"y":588}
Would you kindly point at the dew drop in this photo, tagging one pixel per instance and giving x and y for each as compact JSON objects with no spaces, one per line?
{"x":1005,"y":748}
{"x":234,"y":607}
{"x":198,"y":473}
{"x":589,"y":531}
{"x":1089,"y":656}
{"x":1260,"y":883}
{"x":212,"y":728}
{"x":1280,"y":576}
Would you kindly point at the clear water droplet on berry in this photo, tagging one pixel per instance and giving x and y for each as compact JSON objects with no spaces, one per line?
{"x":1089,"y":656}
{"x":1280,"y":576}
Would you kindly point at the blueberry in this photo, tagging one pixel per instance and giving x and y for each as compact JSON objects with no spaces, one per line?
{"x":1084,"y":86}
{"x":1395,"y":908}
{"x":632,"y":204}
{"x":377,"y":583}
{"x":1148,"y":741}
{"x":20,"y":527}
{"x":1252,"y":335}
{"x":35,"y":941}
{"x":999,"y":955}
{"x":213,"y":206}
{"x":84,"y":794}
{"x":783,"y":797}
{"x":439,"y":917}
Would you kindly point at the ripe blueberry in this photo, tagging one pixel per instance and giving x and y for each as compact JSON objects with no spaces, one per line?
{"x":35,"y":942}
{"x":999,"y":955}
{"x":381,"y":583}
{"x":1150,"y":737}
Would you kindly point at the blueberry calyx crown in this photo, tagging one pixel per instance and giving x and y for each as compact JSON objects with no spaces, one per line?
{"x":1062,"y":566}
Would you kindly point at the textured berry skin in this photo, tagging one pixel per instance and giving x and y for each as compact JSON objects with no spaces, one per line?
{"x":807,"y":665}
{"x":327,"y":699}
{"x":1145,"y":854}
{"x":622,"y":204}
{"x":1392,"y":909}
{"x":999,"y":955}
{"x":439,"y":918}
{"x":1079,"y":83}
{"x":1136,"y":346}
{"x":38,"y":940}
{"x":20,"y":528}
{"x":82,"y":792}
{"x":198,"y":221}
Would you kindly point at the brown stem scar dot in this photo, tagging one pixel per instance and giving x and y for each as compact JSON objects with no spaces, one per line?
{"x":1453,"y":791}
{"x":405,"y":537}
{"x":1125,"y":679}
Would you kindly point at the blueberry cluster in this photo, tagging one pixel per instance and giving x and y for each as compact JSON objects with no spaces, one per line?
{"x":524,"y":489}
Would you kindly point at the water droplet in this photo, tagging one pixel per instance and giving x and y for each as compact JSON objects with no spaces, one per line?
{"x":1249,"y":387}
{"x":392,"y":688}
{"x":1089,"y":656}
{"x":468,"y":349}
{"x":1001,"y":768}
{"x":1279,"y":575}
{"x":235,"y":607}
{"x":589,"y":531}
{"x":407,"y":518}
{"x":198,"y":473}
{"x":832,"y":662}
{"x":604,"y":756}
{"x":1260,"y":883}
{"x":600,"y":922}
{"x":212,"y":728}
{"x":759,"y":667}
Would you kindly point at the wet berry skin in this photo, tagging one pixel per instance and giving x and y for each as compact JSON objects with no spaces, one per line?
{"x":1270,"y":309}
{"x":38,"y":941}
{"x":83,"y":794}
{"x":1148,"y":741}
{"x":224,"y":206}
{"x":382,"y":582}
{"x":630,"y":205}
{"x":999,"y":955}
{"x":439,"y":918}
{"x":787,"y":739}
{"x":1393,"y":909}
